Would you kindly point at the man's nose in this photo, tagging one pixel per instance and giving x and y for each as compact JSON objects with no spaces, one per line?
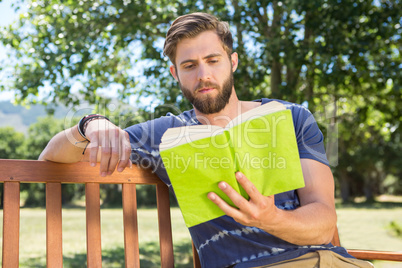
{"x":204,"y":72}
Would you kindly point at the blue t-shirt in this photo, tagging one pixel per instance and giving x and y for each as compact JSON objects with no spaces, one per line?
{"x":223,"y":242}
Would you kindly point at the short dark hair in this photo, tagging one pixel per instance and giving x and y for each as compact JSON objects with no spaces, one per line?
{"x":191,"y":25}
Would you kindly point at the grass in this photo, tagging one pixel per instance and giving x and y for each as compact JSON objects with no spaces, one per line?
{"x":33,"y":238}
{"x":361,"y":225}
{"x":368,"y":226}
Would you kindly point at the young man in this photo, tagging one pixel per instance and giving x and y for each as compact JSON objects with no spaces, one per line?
{"x":292,"y":229}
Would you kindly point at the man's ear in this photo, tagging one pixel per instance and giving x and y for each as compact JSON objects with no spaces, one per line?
{"x":172,"y":69}
{"x":235,"y":61}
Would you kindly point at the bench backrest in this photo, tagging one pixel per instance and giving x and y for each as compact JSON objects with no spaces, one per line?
{"x":369,"y":254}
{"x":14,"y":172}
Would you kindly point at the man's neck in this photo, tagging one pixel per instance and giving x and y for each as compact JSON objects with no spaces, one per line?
{"x":234,"y":108}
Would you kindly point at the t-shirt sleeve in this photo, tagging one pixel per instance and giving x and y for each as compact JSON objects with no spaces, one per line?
{"x":309,"y":137}
{"x":145,"y":139}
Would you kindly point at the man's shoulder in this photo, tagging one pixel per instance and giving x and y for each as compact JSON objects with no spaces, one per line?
{"x":161,"y":124}
{"x":297,"y":109}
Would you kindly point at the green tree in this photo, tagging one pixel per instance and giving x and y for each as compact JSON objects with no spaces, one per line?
{"x":38,"y":136}
{"x":40,"y":133}
{"x":11,"y":147}
{"x":11,"y":143}
{"x":324,"y":53}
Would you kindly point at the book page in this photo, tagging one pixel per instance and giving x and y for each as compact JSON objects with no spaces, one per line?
{"x":187,"y":134}
{"x":266,"y":152}
{"x":261,"y":110}
{"x":195,"y":169}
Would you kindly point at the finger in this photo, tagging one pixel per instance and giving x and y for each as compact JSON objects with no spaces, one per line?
{"x":225,"y":207}
{"x":114,"y":147}
{"x":248,"y":186}
{"x":105,"y":154}
{"x":93,"y":148}
{"x":125,"y":152}
{"x":238,"y":200}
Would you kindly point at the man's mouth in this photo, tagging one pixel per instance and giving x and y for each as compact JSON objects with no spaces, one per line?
{"x":205,"y":90}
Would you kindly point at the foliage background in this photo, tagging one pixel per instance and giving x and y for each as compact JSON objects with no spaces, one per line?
{"x":340,"y":58}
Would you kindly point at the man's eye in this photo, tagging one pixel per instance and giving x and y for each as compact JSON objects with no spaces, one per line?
{"x":189,"y":66}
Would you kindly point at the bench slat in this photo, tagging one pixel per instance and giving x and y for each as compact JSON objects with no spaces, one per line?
{"x":82,"y":172}
{"x":196,"y":258}
{"x":54,"y":250}
{"x":376,"y":255}
{"x":368,"y":254}
{"x":131,"y":247}
{"x":94,"y":248}
{"x":165,"y":227}
{"x":11,"y":224}
{"x":335,"y":239}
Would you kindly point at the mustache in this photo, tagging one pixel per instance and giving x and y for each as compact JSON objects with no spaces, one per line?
{"x":202,"y":85}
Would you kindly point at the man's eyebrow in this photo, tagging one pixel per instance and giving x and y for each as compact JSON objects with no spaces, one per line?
{"x":213,"y":55}
{"x":206,"y":57}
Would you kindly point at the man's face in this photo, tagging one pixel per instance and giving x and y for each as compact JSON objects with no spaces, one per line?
{"x":205,"y":72}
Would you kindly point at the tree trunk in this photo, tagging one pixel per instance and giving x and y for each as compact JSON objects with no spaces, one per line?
{"x":308,"y":42}
{"x":274,"y":34}
{"x":276,"y":79}
{"x":113,"y":194}
{"x":345,"y":185}
{"x":369,"y":183}
{"x":244,"y":88}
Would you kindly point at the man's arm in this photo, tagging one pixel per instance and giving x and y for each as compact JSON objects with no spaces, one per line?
{"x":65,"y":147}
{"x":313,"y":223}
{"x":109,"y":145}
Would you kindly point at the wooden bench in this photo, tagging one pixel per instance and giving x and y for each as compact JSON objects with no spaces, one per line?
{"x":14,"y":172}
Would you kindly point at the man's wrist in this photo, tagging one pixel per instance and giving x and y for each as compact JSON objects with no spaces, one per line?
{"x":83,"y":123}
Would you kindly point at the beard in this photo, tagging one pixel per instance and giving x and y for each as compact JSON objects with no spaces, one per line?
{"x":210,"y":104}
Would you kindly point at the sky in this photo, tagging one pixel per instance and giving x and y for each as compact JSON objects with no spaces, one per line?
{"x":7,"y":13}
{"x":7,"y":16}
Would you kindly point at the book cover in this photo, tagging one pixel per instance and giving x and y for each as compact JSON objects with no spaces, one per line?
{"x":261,"y":143}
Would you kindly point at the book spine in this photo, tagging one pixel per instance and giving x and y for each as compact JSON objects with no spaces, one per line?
{"x":232,"y":151}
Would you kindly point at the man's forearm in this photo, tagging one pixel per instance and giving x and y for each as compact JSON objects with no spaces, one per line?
{"x":312,"y":224}
{"x":65,"y":147}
